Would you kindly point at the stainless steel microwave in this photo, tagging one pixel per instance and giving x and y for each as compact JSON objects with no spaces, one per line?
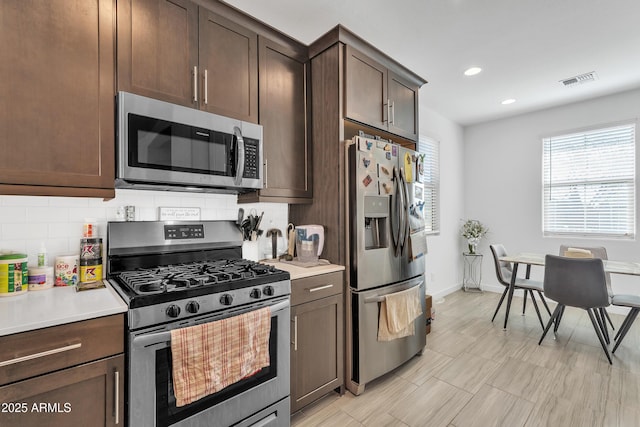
{"x":165,"y":146}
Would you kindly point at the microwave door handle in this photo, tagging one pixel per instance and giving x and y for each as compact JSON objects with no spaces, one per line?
{"x":239,"y":155}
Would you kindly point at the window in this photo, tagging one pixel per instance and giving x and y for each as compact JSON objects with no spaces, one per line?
{"x":589,"y":183}
{"x":430,"y":149}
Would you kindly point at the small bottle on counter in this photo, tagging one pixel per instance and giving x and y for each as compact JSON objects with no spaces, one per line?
{"x":42,"y":256}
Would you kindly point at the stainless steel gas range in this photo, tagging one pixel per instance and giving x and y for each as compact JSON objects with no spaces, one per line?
{"x":180,"y":274}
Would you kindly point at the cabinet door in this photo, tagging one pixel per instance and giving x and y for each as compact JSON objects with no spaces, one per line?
{"x":57,"y":91}
{"x":404,"y":107}
{"x":366,"y":89}
{"x":316,"y":350}
{"x":283,"y":115}
{"x":228,"y":55}
{"x":158,"y":49}
{"x":87,"y":395}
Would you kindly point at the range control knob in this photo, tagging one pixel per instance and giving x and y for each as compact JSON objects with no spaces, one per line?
{"x":255,"y":293}
{"x":226,"y":299}
{"x":192,"y":307}
{"x":173,"y":310}
{"x":268,"y":291}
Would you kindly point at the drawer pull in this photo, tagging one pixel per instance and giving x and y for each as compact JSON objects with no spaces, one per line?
{"x":319,"y":288}
{"x":295,"y":333}
{"x":38,"y":355}
{"x":116,"y":375}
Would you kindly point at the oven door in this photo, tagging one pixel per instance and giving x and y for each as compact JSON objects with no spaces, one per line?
{"x":261,"y":399}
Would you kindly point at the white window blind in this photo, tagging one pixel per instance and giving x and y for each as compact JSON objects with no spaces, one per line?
{"x":589,"y":183}
{"x":430,"y":149}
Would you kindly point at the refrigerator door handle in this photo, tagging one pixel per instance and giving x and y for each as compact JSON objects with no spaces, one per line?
{"x":394,"y":212}
{"x":405,"y":212}
{"x":380,"y":298}
{"x":402,"y":214}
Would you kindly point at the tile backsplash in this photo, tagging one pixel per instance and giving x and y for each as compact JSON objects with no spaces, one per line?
{"x":28,"y":221}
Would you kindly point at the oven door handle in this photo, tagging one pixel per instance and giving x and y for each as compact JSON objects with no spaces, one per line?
{"x":160,"y":337}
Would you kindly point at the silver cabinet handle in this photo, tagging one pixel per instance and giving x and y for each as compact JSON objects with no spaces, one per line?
{"x":295,"y":333}
{"x":195,"y":83}
{"x":388,"y":110}
{"x":39,"y":355}
{"x":206,"y":87}
{"x":116,"y":377}
{"x":393,"y":113}
{"x":319,"y":288}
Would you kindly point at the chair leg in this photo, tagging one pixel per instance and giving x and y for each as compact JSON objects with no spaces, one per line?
{"x":558,"y":320}
{"x":603,"y":327}
{"x":599,"y":333}
{"x":609,"y":319}
{"x":504,"y":294}
{"x":555,"y":314}
{"x":535,"y":305}
{"x":627,"y":325}
{"x":623,"y":326}
{"x":524,"y":302}
{"x":544,"y":301}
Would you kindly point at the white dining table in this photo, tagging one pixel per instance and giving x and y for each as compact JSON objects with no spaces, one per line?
{"x":610,"y":266}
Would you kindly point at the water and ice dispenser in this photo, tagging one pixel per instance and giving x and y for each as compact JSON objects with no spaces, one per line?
{"x":376,"y":221}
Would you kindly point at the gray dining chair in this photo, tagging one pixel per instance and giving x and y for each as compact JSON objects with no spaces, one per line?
{"x":576,"y":282}
{"x":631,"y":301}
{"x":595,"y":252}
{"x":504,"y":273}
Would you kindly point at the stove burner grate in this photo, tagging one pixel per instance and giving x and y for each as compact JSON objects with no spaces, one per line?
{"x":177,"y":277}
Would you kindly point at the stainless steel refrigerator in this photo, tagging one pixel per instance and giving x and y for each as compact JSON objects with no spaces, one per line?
{"x":387,"y":242}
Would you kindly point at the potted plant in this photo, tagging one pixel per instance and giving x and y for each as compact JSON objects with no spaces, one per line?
{"x":473,"y":231}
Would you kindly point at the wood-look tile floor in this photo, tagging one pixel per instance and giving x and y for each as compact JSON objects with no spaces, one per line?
{"x":473,"y":373}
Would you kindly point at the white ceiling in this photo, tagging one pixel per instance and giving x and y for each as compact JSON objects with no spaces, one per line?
{"x":523,"y":46}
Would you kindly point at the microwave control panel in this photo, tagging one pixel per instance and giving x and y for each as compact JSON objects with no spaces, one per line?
{"x":251,"y":158}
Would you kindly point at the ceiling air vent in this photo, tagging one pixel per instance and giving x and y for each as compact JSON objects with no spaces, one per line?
{"x":578,"y":80}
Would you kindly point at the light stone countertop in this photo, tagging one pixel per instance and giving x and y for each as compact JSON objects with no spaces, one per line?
{"x":56,"y":306}
{"x":297,"y":272}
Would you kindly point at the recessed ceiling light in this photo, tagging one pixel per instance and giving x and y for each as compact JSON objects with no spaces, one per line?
{"x":472,"y":71}
{"x":508,"y":101}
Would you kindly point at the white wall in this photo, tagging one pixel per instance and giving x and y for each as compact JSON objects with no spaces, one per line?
{"x":503,"y":180}
{"x":443,"y":258}
{"x":26,"y":221}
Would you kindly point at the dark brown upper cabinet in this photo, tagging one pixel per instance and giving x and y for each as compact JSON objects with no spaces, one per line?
{"x":158,"y":49}
{"x":283,"y":115}
{"x":378,"y":97}
{"x":176,"y":51}
{"x":57,"y":91}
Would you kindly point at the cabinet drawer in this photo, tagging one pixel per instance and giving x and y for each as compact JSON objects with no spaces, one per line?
{"x":32,"y":353}
{"x":315,"y":287}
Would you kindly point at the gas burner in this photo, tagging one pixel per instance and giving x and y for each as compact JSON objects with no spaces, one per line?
{"x":178,"y":277}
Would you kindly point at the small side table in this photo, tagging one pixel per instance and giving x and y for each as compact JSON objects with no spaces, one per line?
{"x":472,"y":275}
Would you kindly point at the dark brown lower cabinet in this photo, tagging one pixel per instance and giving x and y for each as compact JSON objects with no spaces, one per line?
{"x":87,"y":395}
{"x":65,"y":375}
{"x":316,"y":338}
